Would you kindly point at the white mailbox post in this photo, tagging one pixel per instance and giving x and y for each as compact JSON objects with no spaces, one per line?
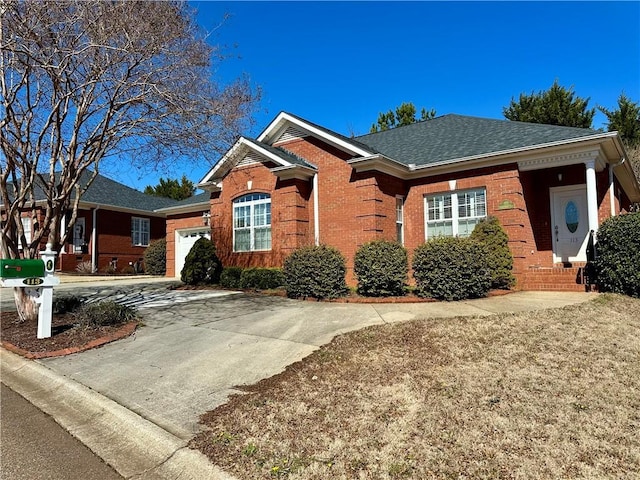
{"x":40,"y":288}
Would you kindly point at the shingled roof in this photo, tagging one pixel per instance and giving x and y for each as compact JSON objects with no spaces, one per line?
{"x":285,"y":155}
{"x":108,"y":193}
{"x":451,"y":137}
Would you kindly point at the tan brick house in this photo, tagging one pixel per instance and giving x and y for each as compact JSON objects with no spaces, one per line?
{"x":301,"y":184}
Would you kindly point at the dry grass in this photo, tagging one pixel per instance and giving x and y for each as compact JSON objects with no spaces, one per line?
{"x":551,"y":394}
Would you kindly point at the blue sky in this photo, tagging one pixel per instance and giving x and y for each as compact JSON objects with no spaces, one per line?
{"x":339,"y":64}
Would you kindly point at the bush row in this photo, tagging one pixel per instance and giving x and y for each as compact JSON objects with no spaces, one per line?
{"x":259,"y":278}
{"x":444,"y":268}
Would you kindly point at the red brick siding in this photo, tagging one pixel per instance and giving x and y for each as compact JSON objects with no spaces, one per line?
{"x":290,"y":215}
{"x":179,"y":222}
{"x":355,"y":208}
{"x":114,"y":240}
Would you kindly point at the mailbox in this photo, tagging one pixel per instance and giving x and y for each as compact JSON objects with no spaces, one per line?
{"x":15,"y":268}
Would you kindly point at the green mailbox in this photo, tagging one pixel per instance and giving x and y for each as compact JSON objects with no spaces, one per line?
{"x":16,"y":268}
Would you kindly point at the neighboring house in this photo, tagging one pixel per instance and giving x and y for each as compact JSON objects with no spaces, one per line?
{"x":114,"y":226}
{"x":301,"y":184}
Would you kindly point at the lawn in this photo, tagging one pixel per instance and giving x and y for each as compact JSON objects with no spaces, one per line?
{"x":548,"y":394}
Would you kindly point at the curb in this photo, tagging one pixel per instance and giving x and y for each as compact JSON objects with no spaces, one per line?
{"x":122,"y":332}
{"x":136,"y":448}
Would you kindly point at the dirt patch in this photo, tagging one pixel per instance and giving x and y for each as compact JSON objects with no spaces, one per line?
{"x":547,"y":394}
{"x":66,"y":338}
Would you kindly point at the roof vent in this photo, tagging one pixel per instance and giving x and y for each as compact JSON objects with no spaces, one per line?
{"x":250,"y":159}
{"x":291,"y":133}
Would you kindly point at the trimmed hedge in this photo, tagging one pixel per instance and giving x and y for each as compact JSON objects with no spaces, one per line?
{"x":617,"y":264}
{"x":201,"y":265}
{"x":261,"y":278}
{"x":381,"y":268}
{"x":230,"y":277}
{"x":451,"y":268}
{"x":489,"y":232}
{"x":155,"y":257}
{"x":317,"y":272}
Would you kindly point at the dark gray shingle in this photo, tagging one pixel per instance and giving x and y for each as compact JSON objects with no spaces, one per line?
{"x":451,"y":137}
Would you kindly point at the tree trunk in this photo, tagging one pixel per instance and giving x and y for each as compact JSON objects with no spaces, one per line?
{"x":25,"y":304}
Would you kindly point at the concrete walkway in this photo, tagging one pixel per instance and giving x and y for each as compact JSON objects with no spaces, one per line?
{"x":136,"y":402}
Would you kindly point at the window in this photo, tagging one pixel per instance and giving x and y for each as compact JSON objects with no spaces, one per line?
{"x":399,"y":220}
{"x":140,"y":228}
{"x":455,"y":213}
{"x":26,"y":226}
{"x":252,"y":223}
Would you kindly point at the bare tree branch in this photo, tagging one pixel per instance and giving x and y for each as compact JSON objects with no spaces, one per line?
{"x":84,"y":82}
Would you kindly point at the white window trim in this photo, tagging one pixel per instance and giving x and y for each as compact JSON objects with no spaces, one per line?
{"x":400,"y":201}
{"x":252,"y":228}
{"x":455,"y":219}
{"x":139,"y":222}
{"x":27,"y":227}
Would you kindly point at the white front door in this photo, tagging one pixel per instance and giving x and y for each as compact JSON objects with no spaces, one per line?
{"x":184,"y":241}
{"x":569,"y":223}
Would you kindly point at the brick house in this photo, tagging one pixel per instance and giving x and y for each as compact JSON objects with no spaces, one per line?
{"x":114,"y":226}
{"x":301,"y":184}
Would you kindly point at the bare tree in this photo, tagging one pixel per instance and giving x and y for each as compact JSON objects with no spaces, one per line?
{"x":87,"y":82}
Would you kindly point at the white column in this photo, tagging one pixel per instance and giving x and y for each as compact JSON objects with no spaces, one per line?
{"x":592,"y":195}
{"x":94,"y":238}
{"x":612,"y":192}
{"x":316,"y":211}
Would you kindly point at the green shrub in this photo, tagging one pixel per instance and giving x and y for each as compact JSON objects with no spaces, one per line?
{"x":67,"y":304}
{"x":489,"y":232}
{"x":617,"y":264}
{"x":155,"y":257}
{"x":451,"y":269}
{"x":381,"y":268}
{"x":102,"y":314}
{"x":315,"y":272}
{"x":261,"y":278}
{"x":201,"y":265}
{"x":230,"y":277}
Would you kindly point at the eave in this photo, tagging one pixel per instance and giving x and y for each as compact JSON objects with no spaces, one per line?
{"x":289,"y":172}
{"x":280,"y":123}
{"x":193,"y":207}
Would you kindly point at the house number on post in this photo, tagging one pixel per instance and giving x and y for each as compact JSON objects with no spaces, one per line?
{"x":36,"y":277}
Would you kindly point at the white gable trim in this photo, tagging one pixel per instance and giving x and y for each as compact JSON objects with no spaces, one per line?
{"x":233,"y":157}
{"x":280,"y":124}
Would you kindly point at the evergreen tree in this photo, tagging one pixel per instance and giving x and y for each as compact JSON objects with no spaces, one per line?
{"x":405,"y":114}
{"x":556,"y":106}
{"x":172,"y":188}
{"x":625,"y":119}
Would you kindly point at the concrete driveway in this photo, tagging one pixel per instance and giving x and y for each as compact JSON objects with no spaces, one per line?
{"x":136,"y":402}
{"x":196,"y":346}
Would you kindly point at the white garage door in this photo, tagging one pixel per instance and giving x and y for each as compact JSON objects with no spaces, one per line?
{"x":185,"y":241}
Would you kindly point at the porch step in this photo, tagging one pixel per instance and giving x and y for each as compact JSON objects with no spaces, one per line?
{"x":560,"y":279}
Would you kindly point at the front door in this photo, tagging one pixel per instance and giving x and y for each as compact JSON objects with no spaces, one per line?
{"x":569,"y":223}
{"x":79,"y":232}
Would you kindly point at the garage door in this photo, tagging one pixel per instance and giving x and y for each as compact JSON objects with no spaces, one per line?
{"x":186,"y":239}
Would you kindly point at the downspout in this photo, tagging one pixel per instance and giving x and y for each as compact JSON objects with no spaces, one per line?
{"x":94,"y":237}
{"x":611,"y":187}
{"x":316,"y":209}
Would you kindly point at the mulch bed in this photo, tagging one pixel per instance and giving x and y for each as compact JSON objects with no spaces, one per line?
{"x":66,"y":337}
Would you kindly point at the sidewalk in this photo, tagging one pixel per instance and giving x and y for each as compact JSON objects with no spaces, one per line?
{"x":187,"y":360}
